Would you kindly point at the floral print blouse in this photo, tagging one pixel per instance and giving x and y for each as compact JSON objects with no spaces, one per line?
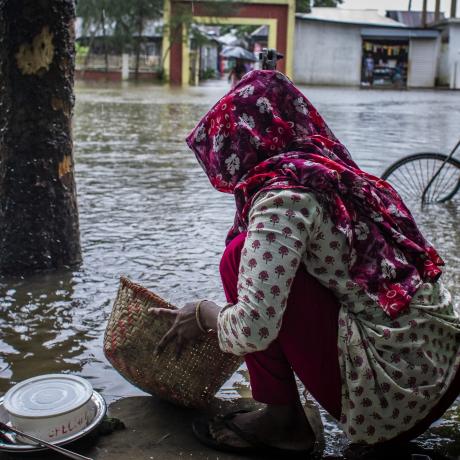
{"x":393,"y":371}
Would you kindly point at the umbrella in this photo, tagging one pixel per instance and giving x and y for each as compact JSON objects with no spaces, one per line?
{"x":237,"y":52}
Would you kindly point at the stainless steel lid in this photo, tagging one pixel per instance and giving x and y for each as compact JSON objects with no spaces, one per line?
{"x":47,"y":395}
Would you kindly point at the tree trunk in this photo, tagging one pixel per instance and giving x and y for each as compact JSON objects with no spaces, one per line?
{"x":424,"y":12}
{"x":104,"y":37}
{"x":138,"y":58}
{"x":38,"y":205}
{"x":437,"y":11}
{"x":90,"y":47}
{"x":140,"y":29}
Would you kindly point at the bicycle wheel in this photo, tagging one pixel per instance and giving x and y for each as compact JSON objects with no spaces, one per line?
{"x":410,"y":176}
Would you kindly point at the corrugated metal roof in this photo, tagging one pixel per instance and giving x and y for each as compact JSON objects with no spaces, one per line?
{"x":397,"y":34}
{"x":261,"y":31}
{"x":230,"y":39}
{"x":413,"y":18}
{"x":341,"y":15}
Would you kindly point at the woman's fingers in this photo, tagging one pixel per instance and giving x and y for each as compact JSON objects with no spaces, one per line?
{"x":163,"y":312}
{"x":179,"y":346}
{"x":165,"y":340}
{"x":183,"y":330}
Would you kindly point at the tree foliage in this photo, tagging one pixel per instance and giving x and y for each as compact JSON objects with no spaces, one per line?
{"x":125,"y":19}
{"x":122,"y":22}
{"x":304,"y":6}
{"x":130,"y":17}
{"x":330,"y":3}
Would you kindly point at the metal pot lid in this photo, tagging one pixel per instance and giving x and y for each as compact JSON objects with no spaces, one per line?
{"x":47,"y":395}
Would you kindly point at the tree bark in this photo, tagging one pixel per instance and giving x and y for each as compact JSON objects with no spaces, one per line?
{"x":38,"y":205}
{"x":424,"y":12}
{"x":437,"y":10}
{"x":140,"y":29}
{"x":104,"y":37}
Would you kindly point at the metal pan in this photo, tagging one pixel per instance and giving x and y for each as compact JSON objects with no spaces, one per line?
{"x":99,"y":408}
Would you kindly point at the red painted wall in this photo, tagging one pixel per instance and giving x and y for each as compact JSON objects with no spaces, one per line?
{"x":113,"y":76}
{"x":97,"y":75}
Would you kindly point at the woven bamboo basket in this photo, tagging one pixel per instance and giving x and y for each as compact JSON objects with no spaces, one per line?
{"x":131,"y":337}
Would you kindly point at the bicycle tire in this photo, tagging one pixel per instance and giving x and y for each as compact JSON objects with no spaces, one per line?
{"x":410,"y":175}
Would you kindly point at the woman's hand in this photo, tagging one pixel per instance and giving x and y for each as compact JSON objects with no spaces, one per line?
{"x":185,"y":328}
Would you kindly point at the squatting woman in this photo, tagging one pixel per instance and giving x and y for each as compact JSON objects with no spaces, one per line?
{"x":326,"y":274}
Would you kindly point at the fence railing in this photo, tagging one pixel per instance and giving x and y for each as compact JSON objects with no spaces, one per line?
{"x":147,"y":63}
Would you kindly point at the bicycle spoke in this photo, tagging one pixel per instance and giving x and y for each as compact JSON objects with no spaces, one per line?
{"x":411,"y":175}
{"x":430,"y":173}
{"x":432,"y":187}
{"x":421,"y":169}
{"x":425,"y":177}
{"x":398,"y":184}
{"x":403,"y":188}
{"x":440,"y":184}
{"x":414,"y":189}
{"x":407,"y":177}
{"x":433,"y":169}
{"x":415,"y":175}
{"x":447,"y":185}
{"x":431,"y":192}
{"x":434,"y":192}
{"x":397,"y":180}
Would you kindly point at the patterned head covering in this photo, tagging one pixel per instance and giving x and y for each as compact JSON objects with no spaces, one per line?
{"x":264,"y":134}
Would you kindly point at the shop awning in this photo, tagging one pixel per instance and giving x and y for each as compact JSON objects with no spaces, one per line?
{"x":380,"y":33}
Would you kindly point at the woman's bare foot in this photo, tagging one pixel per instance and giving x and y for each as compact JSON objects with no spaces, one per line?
{"x":279,"y":426}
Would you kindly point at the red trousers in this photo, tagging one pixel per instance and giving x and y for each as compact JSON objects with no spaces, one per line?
{"x":306,"y":345}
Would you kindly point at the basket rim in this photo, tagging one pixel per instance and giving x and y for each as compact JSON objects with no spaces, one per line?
{"x":144,"y":293}
{"x":162,"y":376}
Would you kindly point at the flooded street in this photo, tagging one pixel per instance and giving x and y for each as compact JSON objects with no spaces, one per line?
{"x":147,"y":211}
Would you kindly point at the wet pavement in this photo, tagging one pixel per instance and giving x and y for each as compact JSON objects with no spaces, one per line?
{"x":147,"y":211}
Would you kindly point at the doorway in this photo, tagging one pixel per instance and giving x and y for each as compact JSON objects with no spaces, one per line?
{"x":385,"y":63}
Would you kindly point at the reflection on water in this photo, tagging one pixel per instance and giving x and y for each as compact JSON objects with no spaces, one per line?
{"x":148,"y":211}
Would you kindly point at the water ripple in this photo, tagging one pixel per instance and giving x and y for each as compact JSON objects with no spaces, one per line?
{"x":148,"y":211}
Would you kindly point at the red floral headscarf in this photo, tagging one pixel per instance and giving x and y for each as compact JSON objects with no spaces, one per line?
{"x":264,"y":134}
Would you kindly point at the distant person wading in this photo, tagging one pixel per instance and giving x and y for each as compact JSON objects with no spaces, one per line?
{"x":237,"y":72}
{"x":326,"y":275}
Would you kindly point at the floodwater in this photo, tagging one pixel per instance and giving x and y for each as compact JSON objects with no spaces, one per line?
{"x":147,"y":211}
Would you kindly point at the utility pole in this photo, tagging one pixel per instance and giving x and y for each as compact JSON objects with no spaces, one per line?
{"x":437,"y":11}
{"x":453,"y":9}
{"x":38,"y":206}
{"x":425,"y":6}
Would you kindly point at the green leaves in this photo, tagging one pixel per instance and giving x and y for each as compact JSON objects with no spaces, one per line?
{"x":331,"y":3}
{"x":304,"y":6}
{"x":121,"y":20}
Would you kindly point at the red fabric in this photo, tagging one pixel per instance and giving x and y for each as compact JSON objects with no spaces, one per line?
{"x":310,"y":324}
{"x":307,"y":345}
{"x":265,"y":134}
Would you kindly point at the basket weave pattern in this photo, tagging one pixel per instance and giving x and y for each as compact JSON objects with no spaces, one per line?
{"x":131,"y":337}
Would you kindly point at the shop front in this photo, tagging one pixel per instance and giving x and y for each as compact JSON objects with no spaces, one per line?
{"x":385,"y":63}
{"x":400,"y":58}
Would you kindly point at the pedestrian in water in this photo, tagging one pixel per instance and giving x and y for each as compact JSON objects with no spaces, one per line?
{"x":326,"y":275}
{"x":369,"y":66}
{"x":237,"y":72}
